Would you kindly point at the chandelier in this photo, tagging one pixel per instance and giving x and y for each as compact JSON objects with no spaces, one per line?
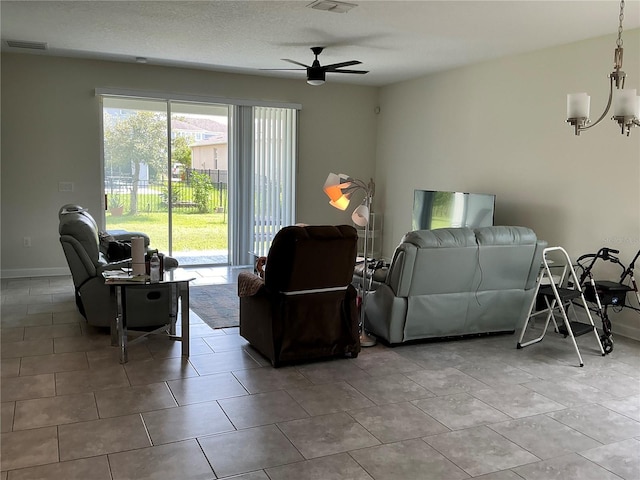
{"x":626,"y":104}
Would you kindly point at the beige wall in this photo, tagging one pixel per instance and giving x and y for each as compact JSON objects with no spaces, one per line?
{"x":499,"y":127}
{"x":51,"y":133}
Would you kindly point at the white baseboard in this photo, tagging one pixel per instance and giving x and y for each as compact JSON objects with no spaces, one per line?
{"x":34,"y":272}
{"x":628,"y":331}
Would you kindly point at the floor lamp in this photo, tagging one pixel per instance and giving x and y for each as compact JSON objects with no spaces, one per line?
{"x":339,"y":189}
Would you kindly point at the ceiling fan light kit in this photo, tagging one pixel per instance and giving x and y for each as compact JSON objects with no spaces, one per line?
{"x":626,"y":103}
{"x":315,"y":77}
{"x":316,"y":73}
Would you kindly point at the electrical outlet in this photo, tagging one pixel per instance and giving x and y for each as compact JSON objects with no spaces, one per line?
{"x":26,"y":242}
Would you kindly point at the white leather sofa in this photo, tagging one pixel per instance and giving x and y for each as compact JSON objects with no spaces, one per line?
{"x":455,"y":282}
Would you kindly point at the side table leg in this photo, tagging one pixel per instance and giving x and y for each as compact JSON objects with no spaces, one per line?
{"x":115,"y":322}
{"x":184,"y":307}
{"x":121,"y":326}
{"x":175,"y":297}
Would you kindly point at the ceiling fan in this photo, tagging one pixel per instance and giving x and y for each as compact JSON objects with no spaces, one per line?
{"x":316,"y":73}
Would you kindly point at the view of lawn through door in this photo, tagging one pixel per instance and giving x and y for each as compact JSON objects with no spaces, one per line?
{"x":169,"y":179}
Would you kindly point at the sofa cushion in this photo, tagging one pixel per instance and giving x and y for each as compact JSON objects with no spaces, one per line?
{"x":443,"y":237}
{"x":505,"y":235}
{"x":505,"y":257}
{"x":434,"y":261}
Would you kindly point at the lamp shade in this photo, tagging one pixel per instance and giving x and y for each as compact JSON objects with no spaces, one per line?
{"x":625,"y":103}
{"x":341,"y":203}
{"x":578,"y":105}
{"x":333,"y":188}
{"x":360,"y":215}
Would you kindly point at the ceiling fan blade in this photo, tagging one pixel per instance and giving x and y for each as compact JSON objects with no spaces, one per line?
{"x":288,"y":69}
{"x":348,"y":71}
{"x":333,"y":66}
{"x":295,"y":63}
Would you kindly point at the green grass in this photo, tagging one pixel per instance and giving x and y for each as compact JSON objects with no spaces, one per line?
{"x":191,"y":231}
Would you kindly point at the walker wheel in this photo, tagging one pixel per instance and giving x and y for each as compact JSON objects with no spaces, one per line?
{"x":607,"y":344}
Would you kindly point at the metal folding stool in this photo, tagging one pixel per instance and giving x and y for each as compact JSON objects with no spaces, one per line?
{"x":559,"y":293}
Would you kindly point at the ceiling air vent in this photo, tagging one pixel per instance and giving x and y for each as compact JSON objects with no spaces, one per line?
{"x":331,"y":6}
{"x":27,"y":45}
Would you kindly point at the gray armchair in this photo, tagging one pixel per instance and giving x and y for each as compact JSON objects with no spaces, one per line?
{"x":87,"y":259}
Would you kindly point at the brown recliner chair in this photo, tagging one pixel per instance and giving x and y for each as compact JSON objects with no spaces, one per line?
{"x":305,"y":308}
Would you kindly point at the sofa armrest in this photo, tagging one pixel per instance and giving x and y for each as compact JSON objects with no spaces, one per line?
{"x":400,"y":272}
{"x":536,"y":264}
{"x":113,"y":266}
{"x":126,"y":236}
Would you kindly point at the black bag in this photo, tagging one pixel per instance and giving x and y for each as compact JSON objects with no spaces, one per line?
{"x":118,"y":250}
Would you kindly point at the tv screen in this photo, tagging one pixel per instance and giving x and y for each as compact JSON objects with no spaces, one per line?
{"x":433,"y":209}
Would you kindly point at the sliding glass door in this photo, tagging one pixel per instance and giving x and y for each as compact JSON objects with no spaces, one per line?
{"x":136,"y":167}
{"x":166,"y":174}
{"x":199,"y":183}
{"x":208,"y":182}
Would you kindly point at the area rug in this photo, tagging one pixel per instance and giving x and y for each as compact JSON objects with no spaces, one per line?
{"x":217,"y":305}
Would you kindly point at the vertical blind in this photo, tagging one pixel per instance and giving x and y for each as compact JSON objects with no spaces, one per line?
{"x":274,"y":163}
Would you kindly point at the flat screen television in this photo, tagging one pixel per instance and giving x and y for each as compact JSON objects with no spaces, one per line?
{"x":433,"y":209}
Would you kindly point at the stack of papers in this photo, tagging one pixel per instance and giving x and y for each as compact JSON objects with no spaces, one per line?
{"x":119,"y":276}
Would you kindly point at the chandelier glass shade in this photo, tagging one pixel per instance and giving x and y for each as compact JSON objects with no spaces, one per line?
{"x":626,"y":103}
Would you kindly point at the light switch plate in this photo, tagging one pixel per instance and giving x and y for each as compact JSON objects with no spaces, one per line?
{"x":65,"y":186}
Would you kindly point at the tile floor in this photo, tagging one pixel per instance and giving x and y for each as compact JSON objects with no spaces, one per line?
{"x":451,"y":410}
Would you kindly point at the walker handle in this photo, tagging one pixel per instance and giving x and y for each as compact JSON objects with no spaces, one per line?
{"x":607,"y":254}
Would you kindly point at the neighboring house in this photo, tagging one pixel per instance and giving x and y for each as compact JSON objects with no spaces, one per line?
{"x":209,"y":125}
{"x":184,"y":129}
{"x":210,"y":154}
{"x":198,"y":129}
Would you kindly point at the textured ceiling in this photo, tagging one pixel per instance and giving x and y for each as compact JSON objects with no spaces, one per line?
{"x":394,"y":40}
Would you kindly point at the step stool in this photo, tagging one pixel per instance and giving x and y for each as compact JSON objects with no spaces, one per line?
{"x":559,"y":292}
